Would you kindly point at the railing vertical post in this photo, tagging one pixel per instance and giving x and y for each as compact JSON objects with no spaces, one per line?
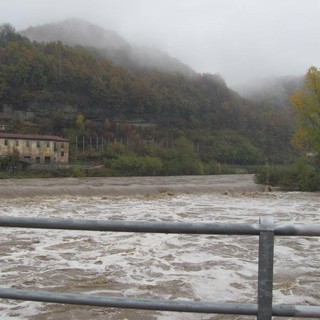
{"x":265,"y":268}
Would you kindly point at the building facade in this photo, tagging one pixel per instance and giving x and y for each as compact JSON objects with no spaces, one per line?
{"x":35,"y":149}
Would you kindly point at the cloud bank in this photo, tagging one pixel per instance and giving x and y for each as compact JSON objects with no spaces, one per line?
{"x":239,"y":39}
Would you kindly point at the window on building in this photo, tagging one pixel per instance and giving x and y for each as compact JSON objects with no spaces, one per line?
{"x":47,"y":159}
{"x":55,"y":146}
{"x":27,"y":143}
{"x":48,"y":144}
{"x":37,"y":159}
{"x":6,"y":142}
{"x":17,"y":143}
{"x":62,"y":145}
{"x":38,"y":144}
{"x":62,"y":153}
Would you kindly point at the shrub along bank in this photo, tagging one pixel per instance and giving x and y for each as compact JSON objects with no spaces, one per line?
{"x":300,"y":176}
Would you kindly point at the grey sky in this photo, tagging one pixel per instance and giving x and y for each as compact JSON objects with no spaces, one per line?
{"x":240,"y":39}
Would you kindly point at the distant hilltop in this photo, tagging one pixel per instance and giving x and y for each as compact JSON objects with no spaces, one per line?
{"x":107,"y":43}
{"x":75,"y":32}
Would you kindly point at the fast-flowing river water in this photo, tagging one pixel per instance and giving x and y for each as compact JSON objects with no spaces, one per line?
{"x":156,"y":266}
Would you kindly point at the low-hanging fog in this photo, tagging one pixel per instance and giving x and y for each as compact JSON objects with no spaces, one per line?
{"x":242,"y":40}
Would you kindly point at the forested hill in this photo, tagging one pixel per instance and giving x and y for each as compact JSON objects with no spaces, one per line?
{"x":107,"y":43}
{"x":72,"y":91}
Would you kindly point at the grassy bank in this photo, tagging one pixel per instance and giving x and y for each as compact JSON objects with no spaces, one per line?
{"x":300,"y":176}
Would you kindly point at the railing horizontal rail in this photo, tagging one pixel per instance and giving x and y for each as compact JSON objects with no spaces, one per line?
{"x":148,"y":304}
{"x":157,"y":227}
{"x":282,"y":310}
{"x":308,"y":230}
{"x":131,"y":226}
{"x":120,"y":302}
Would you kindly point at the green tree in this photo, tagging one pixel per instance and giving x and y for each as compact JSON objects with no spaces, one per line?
{"x":8,"y":33}
{"x":306,"y":103}
{"x":83,"y":125}
{"x":131,"y":165}
{"x":182,"y":159}
{"x":10,"y":162}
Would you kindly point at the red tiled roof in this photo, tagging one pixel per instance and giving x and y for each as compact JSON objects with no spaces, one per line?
{"x":31,"y":137}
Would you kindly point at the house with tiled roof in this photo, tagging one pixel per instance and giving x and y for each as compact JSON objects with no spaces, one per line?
{"x":35,"y":149}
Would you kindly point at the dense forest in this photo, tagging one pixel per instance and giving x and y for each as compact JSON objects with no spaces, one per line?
{"x":106,"y":43}
{"x":153,"y":121}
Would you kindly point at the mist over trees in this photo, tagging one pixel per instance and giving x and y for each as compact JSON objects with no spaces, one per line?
{"x":276,"y":90}
{"x":107,"y":44}
{"x":154,"y":122}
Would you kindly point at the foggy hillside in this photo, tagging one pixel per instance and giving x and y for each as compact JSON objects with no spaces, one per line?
{"x":108,"y":43}
{"x":73,"y":92}
{"x":276,"y":90}
{"x":75,"y":32}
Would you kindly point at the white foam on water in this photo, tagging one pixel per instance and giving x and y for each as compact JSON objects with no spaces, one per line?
{"x":189,"y":267}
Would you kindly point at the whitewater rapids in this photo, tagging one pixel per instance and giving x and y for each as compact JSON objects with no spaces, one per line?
{"x":153,"y":266}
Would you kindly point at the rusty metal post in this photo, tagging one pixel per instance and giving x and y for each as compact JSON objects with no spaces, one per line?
{"x":265,"y":268}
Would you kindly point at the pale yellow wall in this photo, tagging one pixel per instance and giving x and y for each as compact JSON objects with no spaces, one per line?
{"x":57,"y":151}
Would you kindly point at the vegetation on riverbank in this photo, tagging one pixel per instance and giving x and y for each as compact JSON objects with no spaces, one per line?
{"x":303,"y":175}
{"x":137,"y":122}
{"x":300,"y":176}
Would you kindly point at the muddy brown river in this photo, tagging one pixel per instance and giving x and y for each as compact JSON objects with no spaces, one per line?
{"x":152,"y":266}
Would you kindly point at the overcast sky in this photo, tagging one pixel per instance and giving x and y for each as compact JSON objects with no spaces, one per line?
{"x":239,"y":39}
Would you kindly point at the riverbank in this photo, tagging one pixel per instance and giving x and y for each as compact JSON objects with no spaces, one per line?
{"x":129,"y":186}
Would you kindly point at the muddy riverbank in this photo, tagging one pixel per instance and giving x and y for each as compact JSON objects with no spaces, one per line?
{"x":127,"y":186}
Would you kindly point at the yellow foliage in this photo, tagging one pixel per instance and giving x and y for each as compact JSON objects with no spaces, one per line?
{"x":306,"y":103}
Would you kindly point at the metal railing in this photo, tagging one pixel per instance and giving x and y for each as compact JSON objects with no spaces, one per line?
{"x":266,"y":230}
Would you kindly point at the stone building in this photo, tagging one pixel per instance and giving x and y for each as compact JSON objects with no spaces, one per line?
{"x":35,"y":149}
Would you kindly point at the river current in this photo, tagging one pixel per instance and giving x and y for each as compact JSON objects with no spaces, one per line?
{"x":156,"y":266}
